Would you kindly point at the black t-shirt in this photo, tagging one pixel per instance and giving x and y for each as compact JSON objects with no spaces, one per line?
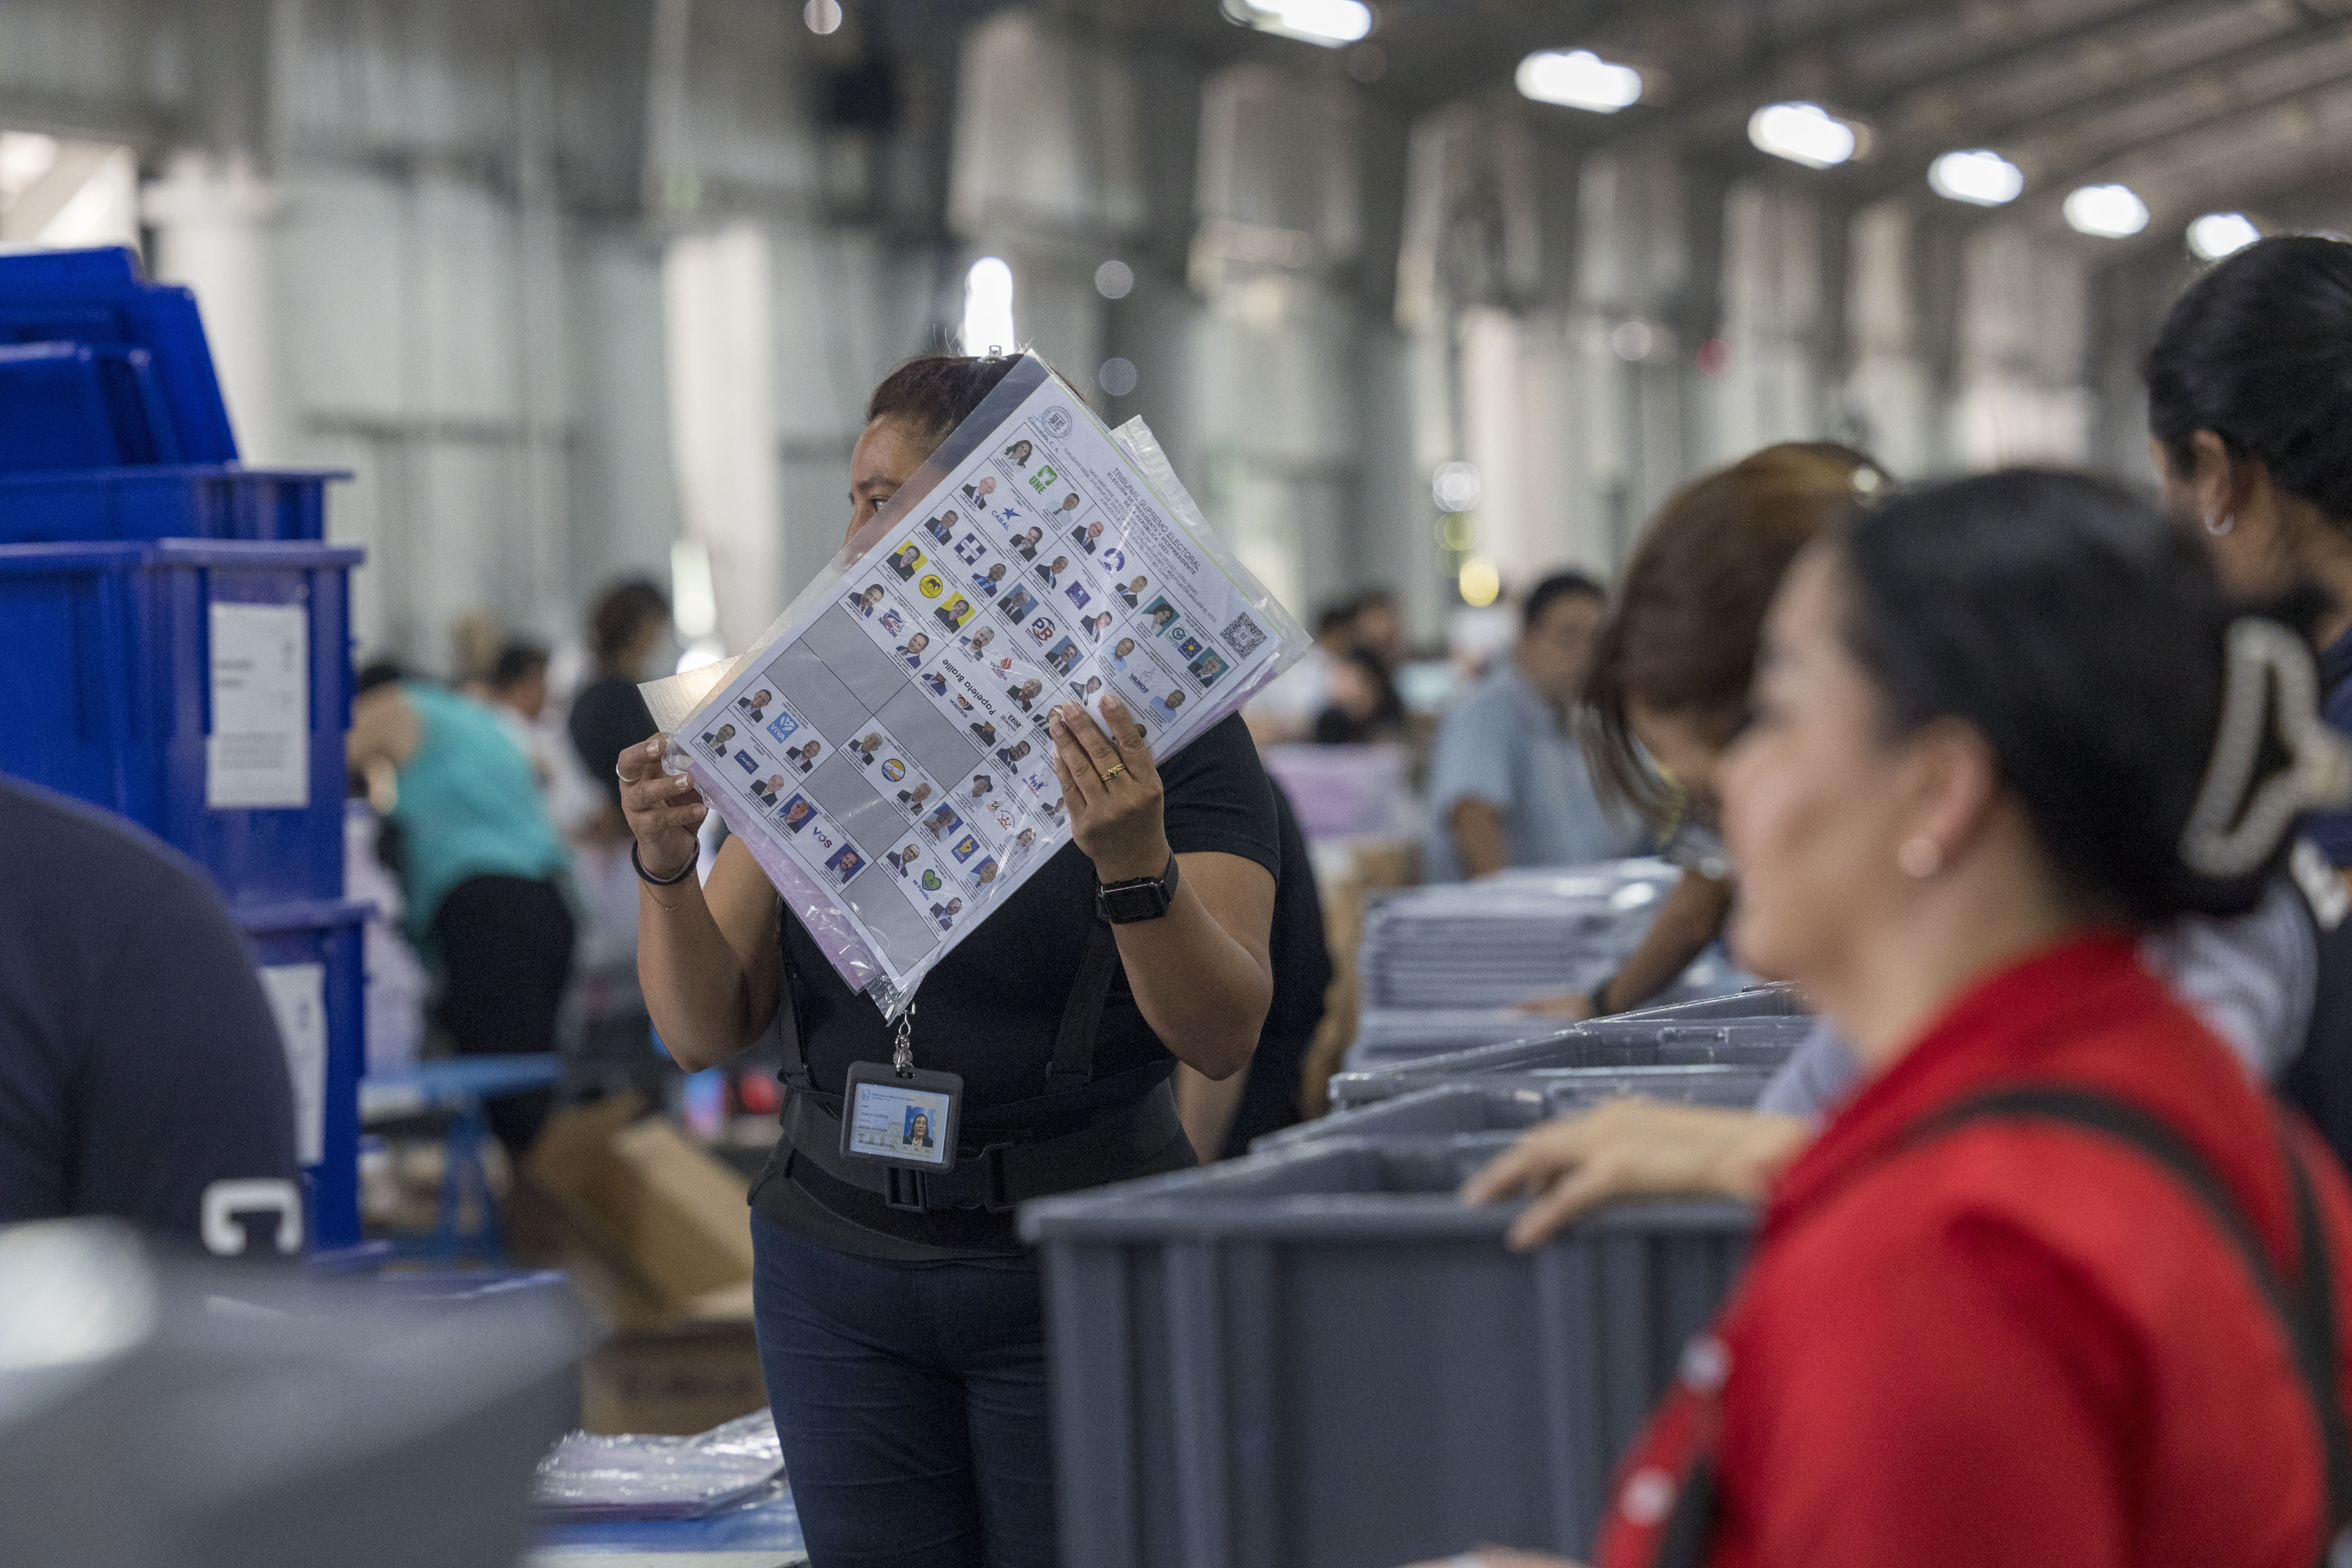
{"x":1301,"y":953}
{"x":139,"y":1061}
{"x":608,"y":717}
{"x":990,"y":1009}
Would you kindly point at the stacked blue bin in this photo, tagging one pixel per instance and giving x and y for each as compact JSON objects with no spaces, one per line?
{"x":175,"y":645}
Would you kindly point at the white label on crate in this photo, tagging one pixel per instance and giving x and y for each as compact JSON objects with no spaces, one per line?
{"x":298,"y":994}
{"x":258,"y":755}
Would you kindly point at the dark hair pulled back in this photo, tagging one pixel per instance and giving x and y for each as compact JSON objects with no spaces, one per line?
{"x":2084,"y":637}
{"x":2259,"y":350}
{"x":934,"y":394}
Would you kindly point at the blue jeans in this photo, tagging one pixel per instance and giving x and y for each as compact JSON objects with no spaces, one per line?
{"x":911,"y":1400}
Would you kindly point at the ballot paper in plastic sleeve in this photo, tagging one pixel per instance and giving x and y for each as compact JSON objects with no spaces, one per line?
{"x":882,"y":750}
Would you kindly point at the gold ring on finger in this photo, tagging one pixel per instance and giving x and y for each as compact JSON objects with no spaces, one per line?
{"x":1113,"y":772}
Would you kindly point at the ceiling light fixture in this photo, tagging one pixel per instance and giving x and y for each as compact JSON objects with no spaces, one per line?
{"x":1329,"y":23}
{"x":1578,"y":78}
{"x":2217,"y":234}
{"x":2105,"y":212}
{"x":1804,"y":134}
{"x":1981,"y":178}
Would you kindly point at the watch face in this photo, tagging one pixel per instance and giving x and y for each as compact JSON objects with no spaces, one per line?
{"x":1145,"y":902}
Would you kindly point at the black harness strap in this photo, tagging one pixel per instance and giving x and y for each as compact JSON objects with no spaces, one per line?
{"x":2305,"y":1311}
{"x":1000,"y":1173}
{"x":1072,"y":1064}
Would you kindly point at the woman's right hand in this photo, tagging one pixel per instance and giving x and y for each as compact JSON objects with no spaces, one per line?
{"x":665,"y":811}
{"x":1636,"y":1148}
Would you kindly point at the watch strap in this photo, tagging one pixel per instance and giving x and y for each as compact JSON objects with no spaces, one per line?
{"x":1165,"y":882}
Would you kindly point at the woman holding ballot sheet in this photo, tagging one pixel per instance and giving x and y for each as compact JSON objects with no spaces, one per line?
{"x":900,"y":1321}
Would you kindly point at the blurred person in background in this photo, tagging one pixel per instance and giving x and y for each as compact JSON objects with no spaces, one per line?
{"x":1668,"y":685}
{"x":1378,"y":628}
{"x":630,"y":620}
{"x":1508,"y":784}
{"x":518,"y":695}
{"x":1363,"y":704}
{"x":1286,"y":711}
{"x":480,"y":869}
{"x":1994,"y":743}
{"x":474,"y":639}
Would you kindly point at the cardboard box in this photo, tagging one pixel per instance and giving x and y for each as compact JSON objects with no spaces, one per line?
{"x":658,"y":1238}
{"x":681,"y":1381}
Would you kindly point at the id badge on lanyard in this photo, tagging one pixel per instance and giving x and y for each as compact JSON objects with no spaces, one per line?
{"x":900,"y":1114}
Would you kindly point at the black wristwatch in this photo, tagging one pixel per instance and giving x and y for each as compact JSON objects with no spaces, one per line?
{"x":1144,"y":898}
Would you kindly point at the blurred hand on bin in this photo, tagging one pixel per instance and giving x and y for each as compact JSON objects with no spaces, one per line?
{"x":665,"y":810}
{"x":1500,"y":1557}
{"x":1576,"y":1006}
{"x":1635,"y":1148}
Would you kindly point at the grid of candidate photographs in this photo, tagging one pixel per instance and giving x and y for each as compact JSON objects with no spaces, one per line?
{"x":910,"y":770}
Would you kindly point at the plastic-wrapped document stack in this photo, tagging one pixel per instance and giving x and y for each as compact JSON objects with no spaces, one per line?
{"x":1444,"y":967}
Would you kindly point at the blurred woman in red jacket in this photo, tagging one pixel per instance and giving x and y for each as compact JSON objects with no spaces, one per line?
{"x":2057,"y":1285}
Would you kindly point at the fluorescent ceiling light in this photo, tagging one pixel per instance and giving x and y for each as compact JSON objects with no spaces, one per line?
{"x":1578,"y":78}
{"x":2217,"y":234}
{"x":1804,"y":134}
{"x":1981,"y":178}
{"x":2108,"y":212}
{"x":1329,"y":23}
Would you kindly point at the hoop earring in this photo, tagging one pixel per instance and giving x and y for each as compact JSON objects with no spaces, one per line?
{"x":1919,"y":858}
{"x":2229,"y":521}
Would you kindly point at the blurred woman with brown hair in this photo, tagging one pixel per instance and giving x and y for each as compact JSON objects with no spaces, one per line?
{"x":1671,"y":669}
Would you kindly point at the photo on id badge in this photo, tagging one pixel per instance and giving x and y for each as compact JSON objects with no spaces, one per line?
{"x":901,"y":1118}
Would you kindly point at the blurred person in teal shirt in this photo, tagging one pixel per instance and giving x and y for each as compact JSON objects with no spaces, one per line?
{"x":482,"y":870}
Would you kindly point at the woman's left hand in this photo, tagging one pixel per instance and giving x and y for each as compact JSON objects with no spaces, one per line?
{"x":1112,"y":788}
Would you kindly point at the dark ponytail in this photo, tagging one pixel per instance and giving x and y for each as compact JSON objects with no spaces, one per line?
{"x":2085,"y":636}
{"x":2259,"y":350}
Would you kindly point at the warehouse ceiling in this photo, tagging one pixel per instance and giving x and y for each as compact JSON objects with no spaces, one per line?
{"x":2192,"y":103}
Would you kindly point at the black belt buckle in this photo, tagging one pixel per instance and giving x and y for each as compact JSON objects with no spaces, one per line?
{"x":906,"y":1189}
{"x":994,"y":1198}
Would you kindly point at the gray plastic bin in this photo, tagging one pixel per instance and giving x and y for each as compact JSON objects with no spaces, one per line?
{"x":1632,"y":1040}
{"x":1318,"y":1358}
{"x":1510,"y":1101}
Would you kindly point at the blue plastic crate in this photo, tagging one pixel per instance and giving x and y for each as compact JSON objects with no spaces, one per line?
{"x":108,"y":676}
{"x":96,"y":298}
{"x":312,"y":961}
{"x":181,"y":501}
{"x":81,"y":405}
